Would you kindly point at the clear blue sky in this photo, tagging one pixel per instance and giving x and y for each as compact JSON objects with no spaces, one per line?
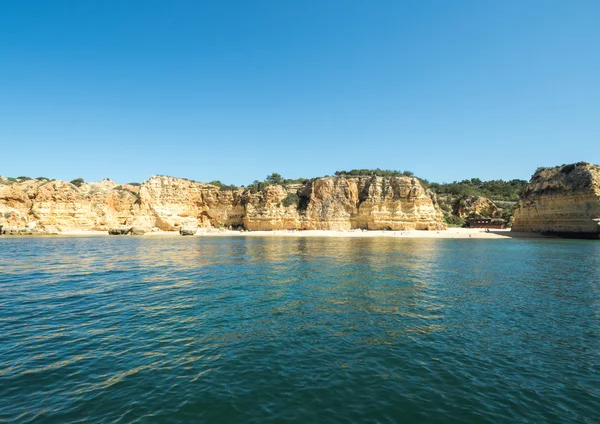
{"x":236,"y":90}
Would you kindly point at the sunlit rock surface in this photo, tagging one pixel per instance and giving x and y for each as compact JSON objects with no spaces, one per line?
{"x":169,"y":204}
{"x":564,"y":200}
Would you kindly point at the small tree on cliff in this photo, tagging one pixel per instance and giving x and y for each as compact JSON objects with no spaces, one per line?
{"x":274,"y":178}
{"x":78,"y":182}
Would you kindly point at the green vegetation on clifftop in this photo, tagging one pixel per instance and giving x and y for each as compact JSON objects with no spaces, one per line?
{"x":495,"y":189}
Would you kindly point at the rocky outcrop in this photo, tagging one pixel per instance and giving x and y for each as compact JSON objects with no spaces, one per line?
{"x":563,"y":200}
{"x":397,"y":203}
{"x":98,"y":206}
{"x":169,"y":203}
{"x":269,"y":210}
{"x":476,"y":207}
{"x":188,"y":230}
{"x":175,"y":204}
{"x":15,"y":206}
{"x":332,"y":203}
{"x":56,"y":206}
{"x":119,"y":231}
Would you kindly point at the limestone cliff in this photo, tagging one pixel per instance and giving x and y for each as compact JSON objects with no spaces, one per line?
{"x":476,"y":207}
{"x":564,"y":199}
{"x":332,"y":203}
{"x":60,"y":206}
{"x":167,"y":203}
{"x":397,"y":203}
{"x":267,"y":210}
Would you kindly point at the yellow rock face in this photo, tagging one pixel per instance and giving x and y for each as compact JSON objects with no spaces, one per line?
{"x":167,"y":203}
{"x":478,"y":207}
{"x":374,"y":203}
{"x":397,"y":203}
{"x":15,"y":206}
{"x":60,"y":206}
{"x":266,"y":210}
{"x":564,"y":199}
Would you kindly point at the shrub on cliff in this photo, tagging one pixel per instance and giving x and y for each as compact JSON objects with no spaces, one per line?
{"x":277,"y":179}
{"x":274,"y":178}
{"x":222,"y":186}
{"x":374,"y":172}
{"x":291,"y":199}
{"x":78,"y":182}
{"x":294,"y":181}
{"x":508,"y":213}
{"x":123,"y":190}
{"x":454,"y":221}
{"x":493,"y":189}
{"x":257,"y":186}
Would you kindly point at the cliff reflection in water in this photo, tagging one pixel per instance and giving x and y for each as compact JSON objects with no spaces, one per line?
{"x":302,"y":278}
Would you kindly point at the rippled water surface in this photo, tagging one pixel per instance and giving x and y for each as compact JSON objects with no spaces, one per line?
{"x":235,"y":330}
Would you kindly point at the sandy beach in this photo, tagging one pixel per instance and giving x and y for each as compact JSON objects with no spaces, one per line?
{"x":451,"y":233}
{"x":455,"y":233}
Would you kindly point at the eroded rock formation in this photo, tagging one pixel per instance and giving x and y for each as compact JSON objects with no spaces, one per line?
{"x":332,"y":203}
{"x":169,"y":204}
{"x":563,"y":200}
{"x":476,"y":207}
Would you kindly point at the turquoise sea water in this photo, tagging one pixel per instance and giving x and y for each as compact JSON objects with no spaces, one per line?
{"x":254,"y":330}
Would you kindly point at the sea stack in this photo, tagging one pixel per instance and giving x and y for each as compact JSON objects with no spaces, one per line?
{"x":564,"y":200}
